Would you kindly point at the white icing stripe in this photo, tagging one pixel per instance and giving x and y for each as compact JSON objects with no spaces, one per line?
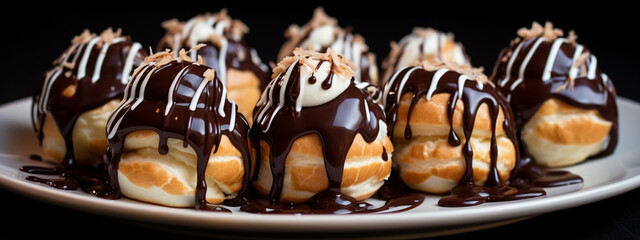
{"x":196,"y":96}
{"x":403,"y":81}
{"x":142,"y":88}
{"x":265,"y":94}
{"x":573,"y":72}
{"x":128,"y":64}
{"x":75,"y":56}
{"x":188,"y":27}
{"x":129,"y":96}
{"x":605,"y":78}
{"x":591,"y":74}
{"x":362,"y":85}
{"x":387,"y":87}
{"x":177,"y":38}
{"x":357,"y":57}
{"x":45,"y":101}
{"x":43,"y":92}
{"x":194,"y":53}
{"x":68,"y":53}
{"x":434,"y":82}
{"x":347,"y":46}
{"x":459,"y":57}
{"x":512,"y":59}
{"x":281,"y":97}
{"x":98,"y":66}
{"x":555,"y":48}
{"x":264,"y":99}
{"x":232,"y":121}
{"x":461,"y":81}
{"x":220,"y":27}
{"x":85,"y":58}
{"x":171,"y":90}
{"x":221,"y":106}
{"x":366,"y":111}
{"x":222,"y":60}
{"x":525,"y":62}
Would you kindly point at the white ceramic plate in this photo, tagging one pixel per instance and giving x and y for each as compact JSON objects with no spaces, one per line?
{"x":603,"y":178}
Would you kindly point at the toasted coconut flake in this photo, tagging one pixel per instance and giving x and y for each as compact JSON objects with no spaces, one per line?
{"x":83,"y":38}
{"x":563,"y":86}
{"x":200,"y":60}
{"x":161,"y":58}
{"x":216,"y":40}
{"x":340,"y":64}
{"x":70,"y":90}
{"x":393,"y":55}
{"x":69,"y":65}
{"x":321,"y":18}
{"x":293,"y":31}
{"x":538,"y":30}
{"x":173,"y":26}
{"x":238,"y":29}
{"x":209,"y":74}
{"x":424,"y":32}
{"x":474,"y":73}
{"x":582,"y":59}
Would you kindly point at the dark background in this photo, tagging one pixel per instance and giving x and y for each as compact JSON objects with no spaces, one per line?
{"x":32,"y":40}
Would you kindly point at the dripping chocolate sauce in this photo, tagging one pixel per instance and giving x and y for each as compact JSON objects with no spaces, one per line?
{"x":65,"y":110}
{"x":238,"y":56}
{"x":201,"y":137}
{"x":334,"y":132}
{"x":466,"y":193}
{"x":526,"y":98}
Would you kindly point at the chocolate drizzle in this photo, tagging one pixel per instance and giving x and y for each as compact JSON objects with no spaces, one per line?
{"x":223,"y":49}
{"x":535,"y":70}
{"x":96,"y":70}
{"x":422,"y":83}
{"x":175,"y":100}
{"x":278,"y":123}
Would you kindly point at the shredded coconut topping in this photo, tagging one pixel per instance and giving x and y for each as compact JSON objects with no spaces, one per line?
{"x":340,"y":64}
{"x":320,"y":18}
{"x":160,"y":59}
{"x":538,"y":30}
{"x":475,"y":73}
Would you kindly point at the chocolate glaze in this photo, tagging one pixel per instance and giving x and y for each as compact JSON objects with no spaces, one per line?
{"x":418,"y":82}
{"x":120,"y":55}
{"x":336,"y":123}
{"x":200,"y":126}
{"x":238,"y":54}
{"x":334,"y":203}
{"x":528,"y":91}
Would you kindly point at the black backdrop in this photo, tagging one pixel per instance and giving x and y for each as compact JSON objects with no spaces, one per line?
{"x":32,"y":40}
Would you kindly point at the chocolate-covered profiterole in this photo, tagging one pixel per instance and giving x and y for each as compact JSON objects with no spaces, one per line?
{"x":73,"y":100}
{"x":322,"y":140}
{"x":468,"y":97}
{"x":323,"y":32}
{"x":424,"y":44}
{"x":181,"y":100}
{"x":236,"y":63}
{"x":564,"y":106}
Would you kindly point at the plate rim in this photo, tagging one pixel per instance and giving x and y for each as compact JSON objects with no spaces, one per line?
{"x":271,"y":223}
